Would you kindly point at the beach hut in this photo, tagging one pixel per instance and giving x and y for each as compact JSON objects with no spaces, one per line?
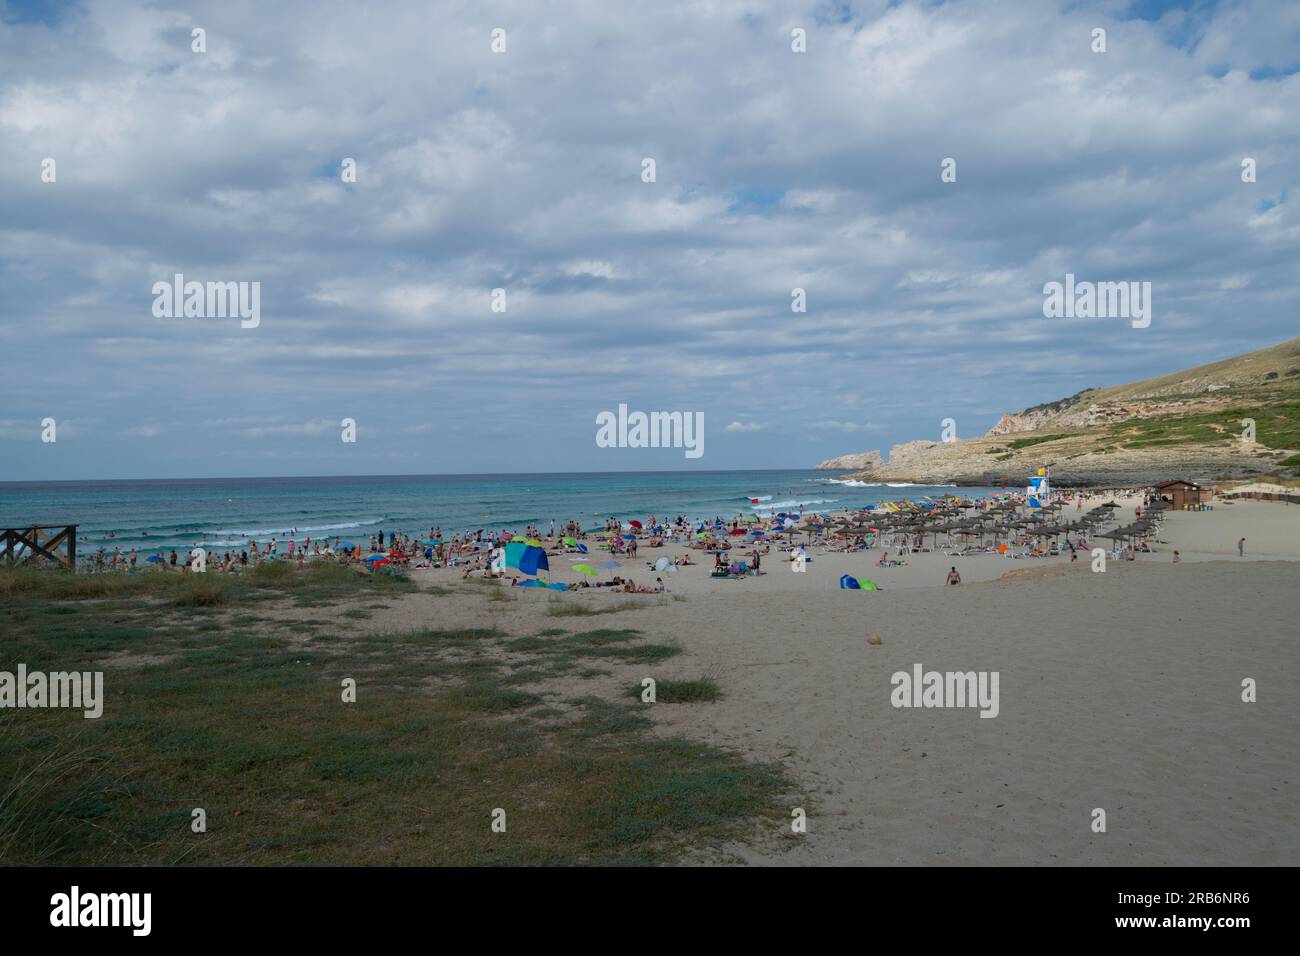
{"x":1183,"y":495}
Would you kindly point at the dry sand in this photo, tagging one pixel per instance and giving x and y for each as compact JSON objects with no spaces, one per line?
{"x":1119,"y":691}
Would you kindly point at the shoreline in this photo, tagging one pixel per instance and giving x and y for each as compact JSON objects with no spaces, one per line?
{"x":824,"y":547}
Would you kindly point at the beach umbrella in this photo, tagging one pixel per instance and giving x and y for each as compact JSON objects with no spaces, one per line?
{"x":526,"y":558}
{"x":582,"y":549}
{"x":569,"y":540}
{"x":154,"y":559}
{"x":849,"y":583}
{"x":557,"y":586}
{"x":629,"y":537}
{"x":661,"y":564}
{"x":347,"y":544}
{"x":635,"y":524}
{"x":737,"y":531}
{"x":586,"y":569}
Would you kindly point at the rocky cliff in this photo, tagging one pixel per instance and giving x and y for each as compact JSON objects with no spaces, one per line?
{"x":1075,"y":461}
{"x":1195,"y":424}
{"x":861,"y":461}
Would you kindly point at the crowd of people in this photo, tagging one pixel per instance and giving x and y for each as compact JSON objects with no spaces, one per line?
{"x":737,"y":544}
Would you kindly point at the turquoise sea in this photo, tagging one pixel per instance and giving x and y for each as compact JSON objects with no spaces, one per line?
{"x":227,"y":512}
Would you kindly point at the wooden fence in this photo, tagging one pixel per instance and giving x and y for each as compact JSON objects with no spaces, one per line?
{"x":39,"y":543}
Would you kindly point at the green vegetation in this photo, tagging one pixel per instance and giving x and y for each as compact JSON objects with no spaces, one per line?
{"x":705,"y":689}
{"x":1276,"y":426}
{"x":1263,"y":385}
{"x":1036,"y":440}
{"x":562,"y":608}
{"x":211,"y":706}
{"x":1059,"y":404}
{"x":316,"y":583}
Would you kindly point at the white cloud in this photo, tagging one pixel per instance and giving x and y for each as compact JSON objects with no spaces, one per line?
{"x":143,"y":431}
{"x":847,"y":427}
{"x":293,"y":429}
{"x":522,"y":171}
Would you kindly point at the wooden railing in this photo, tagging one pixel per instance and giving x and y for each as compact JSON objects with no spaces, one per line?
{"x":39,"y":543}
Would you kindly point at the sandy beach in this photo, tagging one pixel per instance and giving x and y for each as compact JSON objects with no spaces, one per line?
{"x":1270,"y":530}
{"x":1119,"y":690}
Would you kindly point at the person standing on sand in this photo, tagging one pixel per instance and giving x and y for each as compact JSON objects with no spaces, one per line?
{"x":1241,"y":547}
{"x":953,"y":577}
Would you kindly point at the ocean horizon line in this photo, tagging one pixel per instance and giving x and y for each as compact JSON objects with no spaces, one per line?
{"x":415,"y":475}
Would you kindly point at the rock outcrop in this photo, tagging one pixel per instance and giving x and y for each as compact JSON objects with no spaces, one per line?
{"x":1185,"y":425}
{"x":862,"y":461}
{"x":1075,"y":460}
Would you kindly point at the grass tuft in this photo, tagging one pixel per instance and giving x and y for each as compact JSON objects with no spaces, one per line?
{"x":703,"y":690}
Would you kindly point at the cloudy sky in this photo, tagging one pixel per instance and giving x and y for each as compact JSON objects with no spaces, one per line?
{"x":522,"y":170}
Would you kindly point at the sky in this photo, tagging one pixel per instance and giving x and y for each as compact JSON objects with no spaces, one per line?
{"x":523,"y":170}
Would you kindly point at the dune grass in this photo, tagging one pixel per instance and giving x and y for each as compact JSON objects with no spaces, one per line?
{"x":209,"y":704}
{"x":562,"y":608}
{"x":700,"y":690}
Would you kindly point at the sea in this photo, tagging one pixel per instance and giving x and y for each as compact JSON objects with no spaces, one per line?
{"x":158,"y":515}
